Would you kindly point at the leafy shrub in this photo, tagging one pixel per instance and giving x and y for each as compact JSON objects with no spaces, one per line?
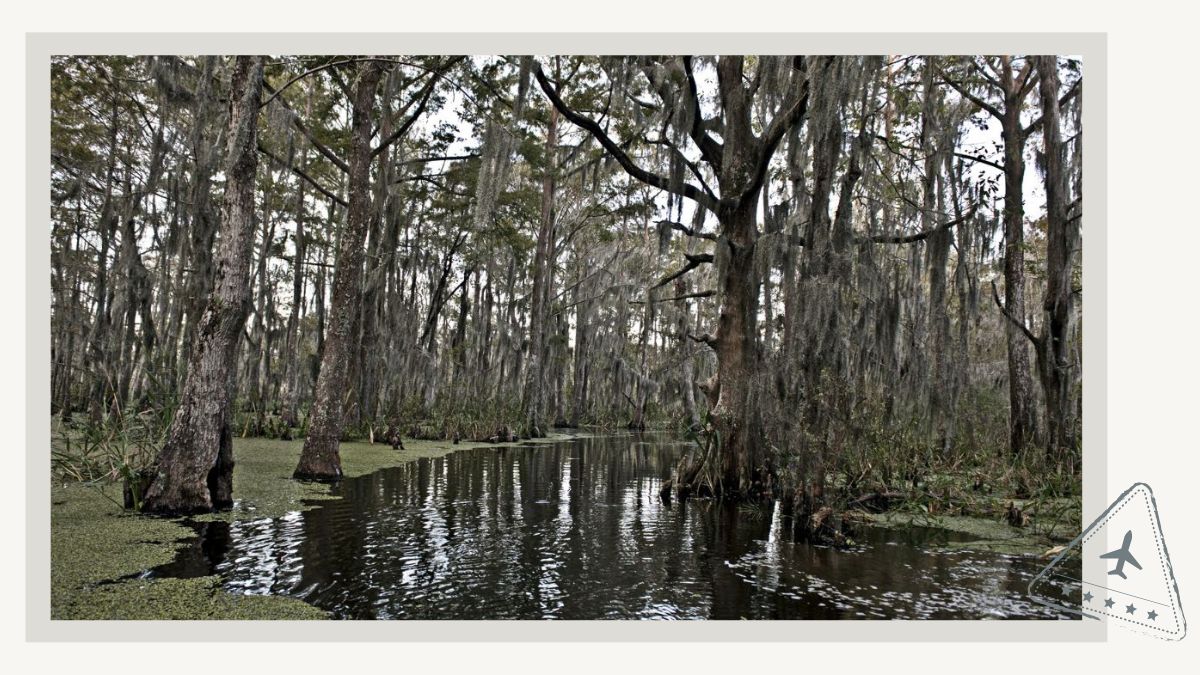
{"x":121,"y":447}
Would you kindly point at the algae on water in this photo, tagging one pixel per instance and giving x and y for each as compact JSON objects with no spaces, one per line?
{"x":95,"y":544}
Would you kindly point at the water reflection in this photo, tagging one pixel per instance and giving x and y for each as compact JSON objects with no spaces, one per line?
{"x":575,"y":531}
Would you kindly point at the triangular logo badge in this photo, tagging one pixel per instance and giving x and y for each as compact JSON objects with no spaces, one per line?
{"x":1126,"y":573}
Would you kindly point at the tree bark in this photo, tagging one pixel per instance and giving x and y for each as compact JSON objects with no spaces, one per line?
{"x":194,"y":470}
{"x":535,"y":376}
{"x":1055,"y":348}
{"x":1022,"y":419}
{"x":294,"y":340}
{"x":320,"y":459}
{"x":582,"y":358}
{"x":99,"y":333}
{"x":737,"y":355}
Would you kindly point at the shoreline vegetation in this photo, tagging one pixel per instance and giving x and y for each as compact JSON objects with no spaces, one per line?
{"x":97,"y":547}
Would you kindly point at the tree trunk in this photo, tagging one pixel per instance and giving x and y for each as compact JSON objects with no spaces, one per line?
{"x":938,"y":252}
{"x":1055,"y":351}
{"x":582,"y":356}
{"x":686,"y":367}
{"x":1022,"y":421}
{"x":258,"y":334}
{"x":320,"y":459}
{"x":99,"y":331}
{"x":202,"y":226}
{"x":737,"y":355}
{"x":293,"y":349}
{"x":535,"y":376}
{"x":194,"y":470}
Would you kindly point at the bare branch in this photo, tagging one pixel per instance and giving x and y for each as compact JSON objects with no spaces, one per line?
{"x":693,"y":261}
{"x":685,"y":296}
{"x":307,"y":178}
{"x":1019,"y":324}
{"x":711,"y":236}
{"x":925,"y":234}
{"x":710,"y":149}
{"x":687,"y":190}
{"x":299,"y":124}
{"x":962,"y":91}
{"x":301,"y":76}
{"x":424,"y":96}
{"x":791,"y":114}
{"x":443,"y":158}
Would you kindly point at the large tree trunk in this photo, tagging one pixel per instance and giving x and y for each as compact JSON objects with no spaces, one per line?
{"x":737,"y":356}
{"x":741,"y":464}
{"x":1022,"y":420}
{"x":194,"y":470}
{"x":379,"y":248}
{"x":202,"y":225}
{"x":320,"y":459}
{"x":1055,"y":353}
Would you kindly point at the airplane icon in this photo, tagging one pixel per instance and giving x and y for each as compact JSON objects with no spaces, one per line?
{"x":1122,"y":556}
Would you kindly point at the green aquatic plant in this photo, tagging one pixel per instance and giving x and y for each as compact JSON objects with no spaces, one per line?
{"x":120,"y":448}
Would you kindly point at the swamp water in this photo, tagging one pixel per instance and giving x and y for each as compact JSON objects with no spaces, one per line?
{"x":575,"y":530}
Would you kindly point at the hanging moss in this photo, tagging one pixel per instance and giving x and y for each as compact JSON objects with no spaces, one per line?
{"x":167,"y":74}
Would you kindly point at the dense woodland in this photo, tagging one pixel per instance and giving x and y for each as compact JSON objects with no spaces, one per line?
{"x":833,"y":271}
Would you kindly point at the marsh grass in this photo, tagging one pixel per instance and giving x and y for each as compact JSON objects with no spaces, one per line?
{"x":120,"y":448}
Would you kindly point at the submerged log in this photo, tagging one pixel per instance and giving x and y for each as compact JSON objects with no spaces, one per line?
{"x":877,"y":502}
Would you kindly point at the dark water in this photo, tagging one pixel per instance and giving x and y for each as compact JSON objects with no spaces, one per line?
{"x":575,"y":531}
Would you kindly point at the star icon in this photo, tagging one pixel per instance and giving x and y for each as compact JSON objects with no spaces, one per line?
{"x":1087,"y":597}
{"x":1152,"y":615}
{"x":1130,"y":609}
{"x":1108,"y":602}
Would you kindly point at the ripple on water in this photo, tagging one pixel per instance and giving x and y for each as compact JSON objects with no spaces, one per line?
{"x":572,"y":531}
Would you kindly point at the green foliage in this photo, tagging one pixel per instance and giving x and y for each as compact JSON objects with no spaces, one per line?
{"x":877,"y":455}
{"x":120,"y":447}
{"x":460,"y":417}
{"x":255,"y":424}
